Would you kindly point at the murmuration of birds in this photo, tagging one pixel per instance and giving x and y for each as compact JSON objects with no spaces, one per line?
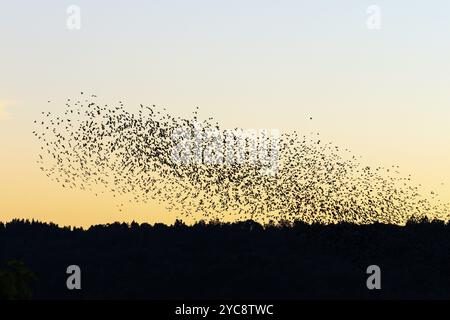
{"x":93,"y":146}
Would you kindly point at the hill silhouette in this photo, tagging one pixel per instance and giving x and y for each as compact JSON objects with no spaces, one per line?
{"x":236,"y":260}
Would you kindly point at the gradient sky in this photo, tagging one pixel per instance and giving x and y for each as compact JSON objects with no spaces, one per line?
{"x":254,"y":64}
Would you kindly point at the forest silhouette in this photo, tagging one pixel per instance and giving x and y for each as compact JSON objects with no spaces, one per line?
{"x":225,"y":260}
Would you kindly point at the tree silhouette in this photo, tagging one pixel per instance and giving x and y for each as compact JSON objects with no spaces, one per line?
{"x":226,"y":260}
{"x":15,"y":280}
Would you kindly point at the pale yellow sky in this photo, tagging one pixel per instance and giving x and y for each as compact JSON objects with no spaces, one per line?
{"x":383,"y":94}
{"x":3,"y":112}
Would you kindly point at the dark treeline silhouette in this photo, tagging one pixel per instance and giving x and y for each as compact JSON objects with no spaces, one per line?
{"x":238,"y":260}
{"x":15,"y":279}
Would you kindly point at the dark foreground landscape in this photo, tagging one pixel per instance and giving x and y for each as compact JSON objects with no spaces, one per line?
{"x":216,"y":261}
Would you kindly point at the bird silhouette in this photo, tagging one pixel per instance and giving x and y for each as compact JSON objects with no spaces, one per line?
{"x":91,"y":146}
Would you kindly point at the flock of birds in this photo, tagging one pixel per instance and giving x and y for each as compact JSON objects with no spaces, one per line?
{"x":101,"y":147}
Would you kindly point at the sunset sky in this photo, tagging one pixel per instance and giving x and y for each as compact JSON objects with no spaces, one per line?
{"x":383,"y":93}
